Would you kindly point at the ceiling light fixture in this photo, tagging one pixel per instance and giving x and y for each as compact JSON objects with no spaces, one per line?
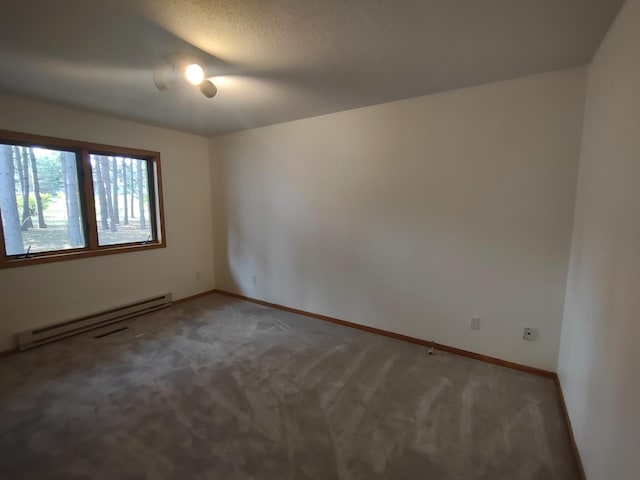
{"x":208,"y":89}
{"x":177,"y":69}
{"x":194,"y":74}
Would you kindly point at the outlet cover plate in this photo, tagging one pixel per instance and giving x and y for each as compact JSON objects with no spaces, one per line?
{"x":530,"y":334}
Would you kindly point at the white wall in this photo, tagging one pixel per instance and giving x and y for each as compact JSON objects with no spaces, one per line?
{"x":413,"y":215}
{"x":599,"y":364}
{"x":41,"y":294}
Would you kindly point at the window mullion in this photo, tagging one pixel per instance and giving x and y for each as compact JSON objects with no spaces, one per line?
{"x":155,"y":181}
{"x":131,"y":236}
{"x":152,"y":195}
{"x":88,"y":200}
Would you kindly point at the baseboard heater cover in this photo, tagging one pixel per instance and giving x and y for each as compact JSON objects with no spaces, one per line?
{"x":51,"y":333}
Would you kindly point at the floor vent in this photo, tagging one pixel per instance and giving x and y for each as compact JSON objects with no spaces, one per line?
{"x":112,"y":332}
{"x":51,"y":333}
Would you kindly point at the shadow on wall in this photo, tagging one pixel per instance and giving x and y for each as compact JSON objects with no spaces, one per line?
{"x":413,"y":215}
{"x":288,"y":224}
{"x":595,"y":297}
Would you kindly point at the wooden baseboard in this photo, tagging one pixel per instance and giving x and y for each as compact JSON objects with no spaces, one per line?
{"x":13,"y":351}
{"x":567,"y":421}
{"x":6,"y":353}
{"x":417,"y":341}
{"x":193,"y":297}
{"x":444,"y":348}
{"x":398,"y":336}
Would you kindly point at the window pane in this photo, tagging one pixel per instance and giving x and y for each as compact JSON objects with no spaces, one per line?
{"x":121,"y":187}
{"x":39,"y":200}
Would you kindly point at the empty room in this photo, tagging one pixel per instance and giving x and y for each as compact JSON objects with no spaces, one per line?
{"x":305,"y":240}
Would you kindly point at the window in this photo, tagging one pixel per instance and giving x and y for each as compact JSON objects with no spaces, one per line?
{"x":121,"y":197}
{"x":62,"y":199}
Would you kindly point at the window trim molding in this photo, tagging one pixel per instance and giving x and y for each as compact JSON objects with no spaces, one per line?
{"x":83,"y":151}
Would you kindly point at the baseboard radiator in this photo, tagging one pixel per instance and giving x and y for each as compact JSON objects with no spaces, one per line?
{"x":57,"y":331}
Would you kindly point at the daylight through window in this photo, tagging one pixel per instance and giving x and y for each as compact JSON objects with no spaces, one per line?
{"x":61,"y":199}
{"x":121,"y":197}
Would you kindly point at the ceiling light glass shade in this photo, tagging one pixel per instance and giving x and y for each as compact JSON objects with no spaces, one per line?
{"x":208,"y":89}
{"x":194,"y":74}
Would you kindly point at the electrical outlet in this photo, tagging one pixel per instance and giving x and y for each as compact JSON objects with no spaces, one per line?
{"x":198,"y":276}
{"x":254,"y":279}
{"x":474,"y":323}
{"x":530,"y":334}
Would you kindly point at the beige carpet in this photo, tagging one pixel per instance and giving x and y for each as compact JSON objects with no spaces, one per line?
{"x":218,"y":388}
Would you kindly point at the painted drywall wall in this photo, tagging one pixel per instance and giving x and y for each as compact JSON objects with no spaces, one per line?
{"x":599,"y":360}
{"x":412,"y":216}
{"x":41,"y":294}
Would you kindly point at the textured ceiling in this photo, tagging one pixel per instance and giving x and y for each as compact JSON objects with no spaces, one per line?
{"x":280,"y":60}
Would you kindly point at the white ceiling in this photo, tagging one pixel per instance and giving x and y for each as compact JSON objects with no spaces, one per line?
{"x":280,"y":60}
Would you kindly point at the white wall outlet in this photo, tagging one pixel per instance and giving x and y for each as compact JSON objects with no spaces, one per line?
{"x":474,"y":322}
{"x":530,"y":334}
{"x":254,"y":279}
{"x":198,"y":276}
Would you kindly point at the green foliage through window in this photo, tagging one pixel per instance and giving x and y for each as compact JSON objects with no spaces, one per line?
{"x":47,"y":207}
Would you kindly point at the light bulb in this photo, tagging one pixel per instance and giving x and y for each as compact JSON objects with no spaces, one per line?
{"x":194,"y":74}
